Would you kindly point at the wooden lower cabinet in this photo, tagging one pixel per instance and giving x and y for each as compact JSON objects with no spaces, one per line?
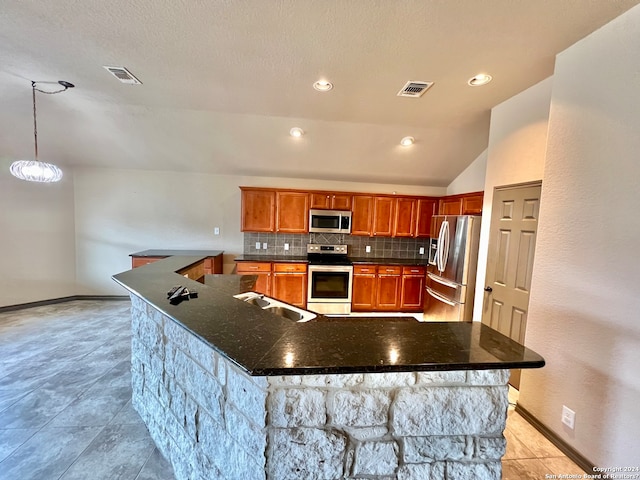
{"x":194,"y":272}
{"x":363,"y":294}
{"x":290,"y":283}
{"x":413,"y":285}
{"x":389,"y":283}
{"x":262,"y":270}
{"x":283,"y":281}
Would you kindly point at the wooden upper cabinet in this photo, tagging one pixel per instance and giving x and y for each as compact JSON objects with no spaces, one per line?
{"x":362,"y":215}
{"x":404,"y":224}
{"x":330,"y":200}
{"x":258,"y":210}
{"x":450,"y":206}
{"x":464,"y":204}
{"x":426,"y":209}
{"x":383,"y":214}
{"x":472,"y":204}
{"x":292,"y":212}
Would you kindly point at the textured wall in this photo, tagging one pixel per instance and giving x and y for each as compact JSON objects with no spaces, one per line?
{"x":517,"y":145}
{"x":119,"y":212}
{"x":472,"y":178}
{"x":213,"y":421}
{"x":37,"y":239}
{"x":585,"y":300}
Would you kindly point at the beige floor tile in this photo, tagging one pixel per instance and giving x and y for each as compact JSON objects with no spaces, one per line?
{"x":526,"y":469}
{"x":531,"y":438}
{"x":515,"y":448}
{"x":562,"y":465}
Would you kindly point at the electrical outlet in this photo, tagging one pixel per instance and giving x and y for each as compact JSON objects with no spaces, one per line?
{"x":367,"y":249}
{"x":568,"y":417}
{"x":286,"y":246}
{"x":264,"y":246}
{"x":216,"y":231}
{"x":421,"y":251}
{"x":257,"y":245}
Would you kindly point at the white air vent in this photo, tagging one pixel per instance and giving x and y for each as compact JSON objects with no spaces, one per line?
{"x":124,"y":75}
{"x":414,"y":88}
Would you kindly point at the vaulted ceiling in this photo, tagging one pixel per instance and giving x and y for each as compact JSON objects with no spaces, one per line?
{"x":225,"y":80}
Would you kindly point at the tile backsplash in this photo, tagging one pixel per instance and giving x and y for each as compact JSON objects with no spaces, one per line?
{"x":380,"y":246}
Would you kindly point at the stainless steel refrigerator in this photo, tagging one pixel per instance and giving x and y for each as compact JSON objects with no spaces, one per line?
{"x":451,"y":273}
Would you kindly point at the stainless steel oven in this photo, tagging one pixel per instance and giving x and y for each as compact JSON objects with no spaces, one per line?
{"x":330,"y":279}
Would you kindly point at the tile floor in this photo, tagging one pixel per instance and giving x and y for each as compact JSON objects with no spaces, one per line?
{"x":65,"y":409}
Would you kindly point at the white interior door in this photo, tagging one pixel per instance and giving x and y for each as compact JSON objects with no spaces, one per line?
{"x":512,"y":241}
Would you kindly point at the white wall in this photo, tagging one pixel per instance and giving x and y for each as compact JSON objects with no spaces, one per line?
{"x":37,"y":241}
{"x":119,"y":212}
{"x":516,"y":153}
{"x":472,"y":178}
{"x":584,"y":313}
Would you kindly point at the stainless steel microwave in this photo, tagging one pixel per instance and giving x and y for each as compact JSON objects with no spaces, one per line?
{"x":329,"y":221}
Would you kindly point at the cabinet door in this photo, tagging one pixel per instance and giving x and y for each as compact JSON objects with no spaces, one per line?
{"x":290,"y":288}
{"x":389,"y":286}
{"x":413,"y":285}
{"x":472,"y":204}
{"x":258,"y":210}
{"x":263,"y":272}
{"x":363,"y":295}
{"x":362,"y":215}
{"x":383,"y":214}
{"x":426,"y":209}
{"x":341,"y":201}
{"x":293,"y":212}
{"x":404,"y":224}
{"x":320,"y":200}
{"x":450,"y":206}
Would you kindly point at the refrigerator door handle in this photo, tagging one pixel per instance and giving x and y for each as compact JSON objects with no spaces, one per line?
{"x":445,"y":253}
{"x":440,"y":249}
{"x":440,"y":297}
{"x":441,"y":281}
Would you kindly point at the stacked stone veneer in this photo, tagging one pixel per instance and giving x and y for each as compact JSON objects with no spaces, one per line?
{"x":212,"y":421}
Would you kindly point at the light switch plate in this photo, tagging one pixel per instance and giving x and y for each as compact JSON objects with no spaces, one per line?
{"x":286,"y":246}
{"x":264,"y":246}
{"x":257,"y":245}
{"x":421,"y":251}
{"x":216,"y":231}
{"x":367,"y":249}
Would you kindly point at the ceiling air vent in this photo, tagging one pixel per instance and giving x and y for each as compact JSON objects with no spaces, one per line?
{"x":122,"y":74}
{"x":414,"y":89}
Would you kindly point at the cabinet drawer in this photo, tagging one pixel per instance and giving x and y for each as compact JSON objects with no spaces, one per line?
{"x":389,"y":270}
{"x":290,"y":267}
{"x":364,"y":269}
{"x":140,"y":261}
{"x":252,"y":267}
{"x":413,"y":270}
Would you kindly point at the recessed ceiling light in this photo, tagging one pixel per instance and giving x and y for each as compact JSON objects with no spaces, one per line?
{"x":296,"y":132}
{"x":480,"y":79}
{"x":406,"y":141}
{"x":323,"y":86}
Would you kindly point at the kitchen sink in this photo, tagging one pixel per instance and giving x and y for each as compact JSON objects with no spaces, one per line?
{"x":276,"y":307}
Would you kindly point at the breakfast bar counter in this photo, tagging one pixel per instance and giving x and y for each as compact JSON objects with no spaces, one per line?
{"x":229,"y":390}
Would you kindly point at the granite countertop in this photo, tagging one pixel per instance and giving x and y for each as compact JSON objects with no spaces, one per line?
{"x":262,"y":343}
{"x":355,"y":260}
{"x":170,"y":253}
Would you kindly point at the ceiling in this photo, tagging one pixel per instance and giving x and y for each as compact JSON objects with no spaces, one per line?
{"x":225,"y":80}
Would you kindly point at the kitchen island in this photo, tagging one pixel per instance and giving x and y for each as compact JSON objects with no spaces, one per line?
{"x":229,"y":390}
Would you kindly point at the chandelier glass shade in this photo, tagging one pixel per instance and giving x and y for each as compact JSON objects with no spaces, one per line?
{"x":35,"y":170}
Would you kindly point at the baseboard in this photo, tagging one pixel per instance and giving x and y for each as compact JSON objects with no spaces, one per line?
{"x":53,"y":301}
{"x":563,"y":446}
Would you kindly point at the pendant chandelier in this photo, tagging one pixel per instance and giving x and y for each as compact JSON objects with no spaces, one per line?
{"x":35,"y":170}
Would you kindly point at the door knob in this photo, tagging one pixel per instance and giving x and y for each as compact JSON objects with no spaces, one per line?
{"x":488,"y":289}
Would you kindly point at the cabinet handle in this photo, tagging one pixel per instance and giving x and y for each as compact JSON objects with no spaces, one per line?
{"x":253,"y":268}
{"x":389,"y":269}
{"x":415,"y":271}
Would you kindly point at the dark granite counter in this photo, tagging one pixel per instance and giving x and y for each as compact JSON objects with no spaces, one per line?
{"x":262,"y":343}
{"x":170,"y":253}
{"x":390,"y":261}
{"x":271,"y":258}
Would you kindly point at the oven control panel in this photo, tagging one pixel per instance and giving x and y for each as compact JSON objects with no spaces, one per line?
{"x":335,"y":249}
